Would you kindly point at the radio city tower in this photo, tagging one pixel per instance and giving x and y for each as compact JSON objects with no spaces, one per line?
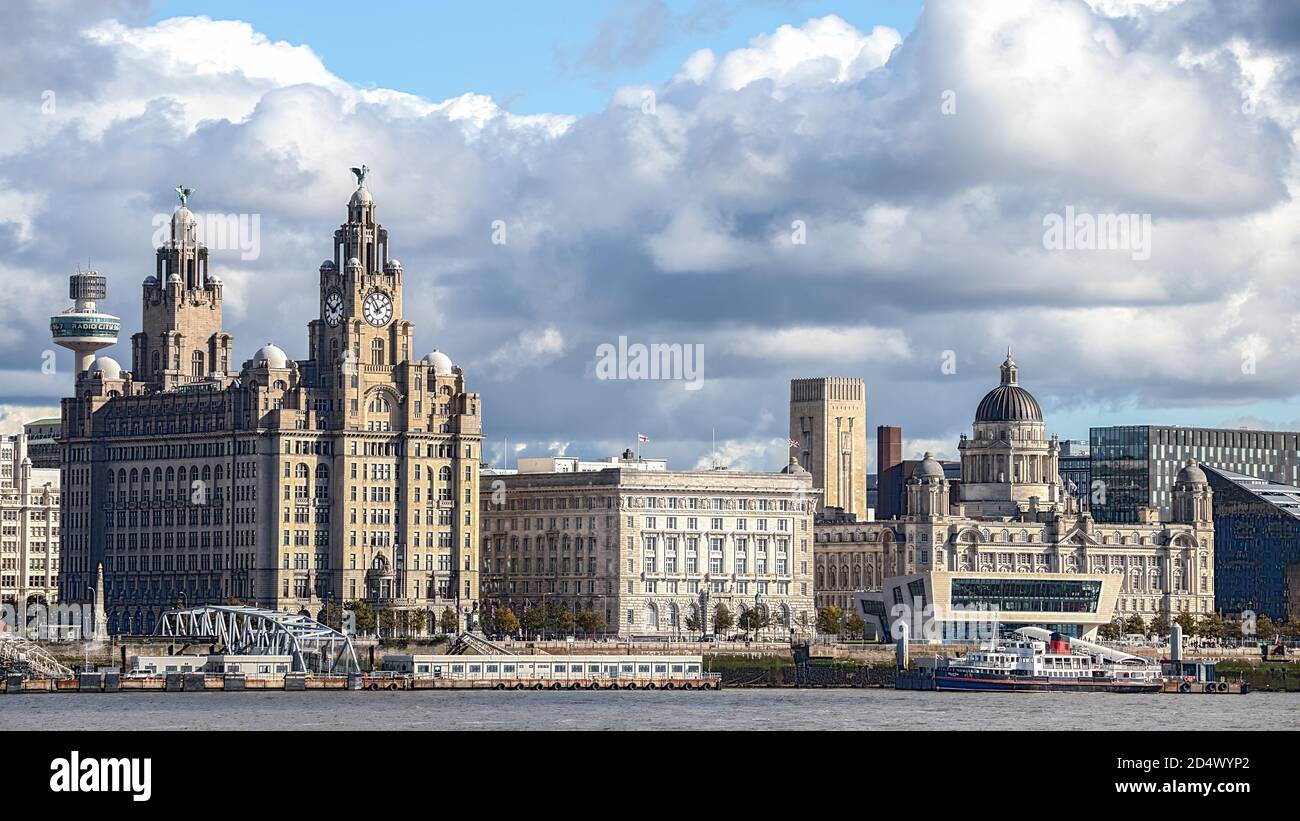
{"x":82,"y":328}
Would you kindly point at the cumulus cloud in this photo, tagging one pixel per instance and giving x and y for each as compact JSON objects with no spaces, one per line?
{"x":918,"y":171}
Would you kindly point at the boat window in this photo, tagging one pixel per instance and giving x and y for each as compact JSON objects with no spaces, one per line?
{"x":492,"y":668}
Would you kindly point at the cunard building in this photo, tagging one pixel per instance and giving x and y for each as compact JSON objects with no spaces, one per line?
{"x":281,"y":483}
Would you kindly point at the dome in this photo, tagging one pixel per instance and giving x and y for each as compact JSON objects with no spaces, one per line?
{"x":182,"y":215}
{"x":327,"y":265}
{"x":213,"y":279}
{"x":795,"y":467}
{"x":439,"y":361}
{"x":174,"y":279}
{"x":1009,"y":402}
{"x":928,"y":468}
{"x":151,"y":280}
{"x":354,"y":263}
{"x":106,"y":367}
{"x":393,"y":264}
{"x":360,"y":196}
{"x":1191,"y":474}
{"x":270,"y":356}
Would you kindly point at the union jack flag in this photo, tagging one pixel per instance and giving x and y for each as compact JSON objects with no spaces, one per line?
{"x":794,"y":443}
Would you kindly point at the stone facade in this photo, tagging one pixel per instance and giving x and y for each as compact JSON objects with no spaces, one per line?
{"x":828,"y":418}
{"x":1016,"y":517}
{"x":29,"y":527}
{"x":648,"y":548}
{"x":349,"y":475}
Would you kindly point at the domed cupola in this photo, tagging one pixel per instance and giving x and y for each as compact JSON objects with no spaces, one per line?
{"x":1009,"y":402}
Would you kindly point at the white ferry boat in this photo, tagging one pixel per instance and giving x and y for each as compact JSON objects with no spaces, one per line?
{"x":1038,"y":660}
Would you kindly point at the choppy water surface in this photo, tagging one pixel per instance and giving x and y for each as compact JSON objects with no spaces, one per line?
{"x":735,"y":709}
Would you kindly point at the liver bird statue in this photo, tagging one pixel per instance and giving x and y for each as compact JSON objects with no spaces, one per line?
{"x":184,"y":194}
{"x":361,"y":175}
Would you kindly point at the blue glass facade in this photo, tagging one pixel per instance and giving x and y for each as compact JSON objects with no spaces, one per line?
{"x":1120,"y":475}
{"x":1255,"y":543}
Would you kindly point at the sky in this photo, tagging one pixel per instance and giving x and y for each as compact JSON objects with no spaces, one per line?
{"x":793,"y":189}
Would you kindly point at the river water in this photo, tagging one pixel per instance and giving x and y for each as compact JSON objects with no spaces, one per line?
{"x":734,"y":709}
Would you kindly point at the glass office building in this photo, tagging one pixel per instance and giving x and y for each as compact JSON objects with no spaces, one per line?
{"x":1026,"y":595}
{"x":1134,"y":466}
{"x":1256,"y":545}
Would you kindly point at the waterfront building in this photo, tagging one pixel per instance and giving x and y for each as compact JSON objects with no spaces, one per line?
{"x":846,"y":557}
{"x":1136,"y":466}
{"x":351,"y":474}
{"x":1076,"y":470}
{"x":1015,"y":519}
{"x":828,"y":418}
{"x":647,"y":548}
{"x":29,"y":527}
{"x":1257,"y":545}
{"x":43,"y":442}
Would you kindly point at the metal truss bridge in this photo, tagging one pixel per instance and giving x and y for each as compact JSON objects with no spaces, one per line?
{"x":252,"y":631}
{"x":20,"y":655}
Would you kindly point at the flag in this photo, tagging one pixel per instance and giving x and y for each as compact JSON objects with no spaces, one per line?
{"x":1073,"y":487}
{"x":641,"y":437}
{"x":794,"y":443}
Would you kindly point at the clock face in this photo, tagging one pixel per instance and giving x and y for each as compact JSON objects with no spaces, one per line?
{"x":378,"y":308}
{"x":333,"y":308}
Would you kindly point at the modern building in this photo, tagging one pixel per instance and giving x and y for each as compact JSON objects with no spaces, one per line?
{"x":1016,"y":522}
{"x":1135,"y":466}
{"x":944,"y":604}
{"x":649,"y":549}
{"x":1076,"y":470}
{"x":1257,"y":545}
{"x":828,"y":418}
{"x":29,"y":527}
{"x":288,"y":484}
{"x":43,"y":442}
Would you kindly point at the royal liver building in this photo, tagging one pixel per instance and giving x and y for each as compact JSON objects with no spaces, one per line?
{"x":348,"y":475}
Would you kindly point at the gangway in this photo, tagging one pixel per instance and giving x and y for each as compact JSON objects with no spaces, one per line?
{"x":19,"y":654}
{"x":314,"y":647}
{"x":480,"y":645}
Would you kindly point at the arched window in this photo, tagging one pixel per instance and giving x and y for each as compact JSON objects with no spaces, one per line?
{"x":377,"y":352}
{"x":444,"y":474}
{"x":196,"y":364}
{"x":651,"y":616}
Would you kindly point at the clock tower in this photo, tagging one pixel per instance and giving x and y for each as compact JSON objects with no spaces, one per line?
{"x":361,"y":335}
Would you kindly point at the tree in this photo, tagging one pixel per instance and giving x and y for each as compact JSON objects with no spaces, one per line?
{"x":364,"y":615}
{"x":829,"y":619}
{"x":1111,"y":630}
{"x":535,"y":620}
{"x":332,"y":614}
{"x":1160,"y":626}
{"x":417,"y":620}
{"x":559,"y":618}
{"x":487,"y":621}
{"x":722,"y":619}
{"x":387,"y":620}
{"x":589,"y":622}
{"x":1211,"y":627}
{"x":1186,"y":621}
{"x":448,"y":621}
{"x":1134,"y":624}
{"x":507,"y":623}
{"x":693,"y":622}
{"x":754,"y":619}
{"x":1291,"y":628}
{"x":1265,"y":628}
{"x":854,"y":626}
